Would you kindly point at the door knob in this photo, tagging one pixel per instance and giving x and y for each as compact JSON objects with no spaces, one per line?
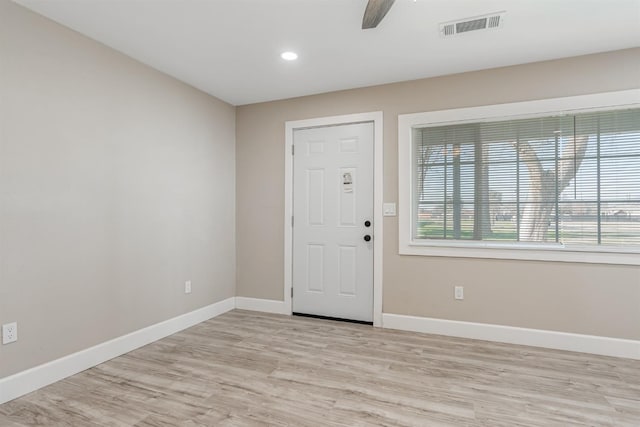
{"x":367,"y":238}
{"x":367,"y":223}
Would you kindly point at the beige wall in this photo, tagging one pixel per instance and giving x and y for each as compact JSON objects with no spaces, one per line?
{"x":116,"y":186}
{"x":588,"y":299}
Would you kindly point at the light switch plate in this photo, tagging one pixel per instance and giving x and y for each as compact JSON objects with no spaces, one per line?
{"x":389,"y":209}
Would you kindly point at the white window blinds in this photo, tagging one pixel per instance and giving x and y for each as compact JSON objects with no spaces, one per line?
{"x":572,"y":180}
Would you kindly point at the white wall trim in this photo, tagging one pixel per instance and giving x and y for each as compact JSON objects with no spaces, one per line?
{"x":264,"y":305}
{"x":376,"y":117}
{"x":604,"y":346}
{"x":37,"y":377}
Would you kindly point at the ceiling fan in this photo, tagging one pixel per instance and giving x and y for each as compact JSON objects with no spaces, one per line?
{"x":375,"y":11}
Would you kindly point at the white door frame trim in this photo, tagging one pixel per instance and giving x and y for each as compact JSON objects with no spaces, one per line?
{"x":290,"y":126}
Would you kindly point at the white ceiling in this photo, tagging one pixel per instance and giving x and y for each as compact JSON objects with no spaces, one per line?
{"x":231,"y":48}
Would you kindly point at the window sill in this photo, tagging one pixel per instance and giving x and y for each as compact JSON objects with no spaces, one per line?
{"x":549,"y":252}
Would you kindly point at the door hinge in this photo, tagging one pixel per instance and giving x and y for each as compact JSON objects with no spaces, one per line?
{"x":292,"y":292}
{"x":292,"y":220}
{"x":293,"y":149}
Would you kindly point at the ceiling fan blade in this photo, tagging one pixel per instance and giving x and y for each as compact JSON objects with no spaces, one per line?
{"x":375,"y":11}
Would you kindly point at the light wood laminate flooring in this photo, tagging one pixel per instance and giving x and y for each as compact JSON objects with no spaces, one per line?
{"x":253,"y":369}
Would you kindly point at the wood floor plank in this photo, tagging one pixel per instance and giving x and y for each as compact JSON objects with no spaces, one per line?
{"x":256,"y":369}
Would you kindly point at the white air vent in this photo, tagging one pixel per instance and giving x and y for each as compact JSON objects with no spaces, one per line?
{"x":491,"y":21}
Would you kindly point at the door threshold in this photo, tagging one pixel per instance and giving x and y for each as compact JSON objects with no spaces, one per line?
{"x":337,"y":319}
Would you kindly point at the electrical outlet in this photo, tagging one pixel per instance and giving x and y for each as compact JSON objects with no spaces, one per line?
{"x":458,"y":292}
{"x":187,"y":287}
{"x":9,"y":333}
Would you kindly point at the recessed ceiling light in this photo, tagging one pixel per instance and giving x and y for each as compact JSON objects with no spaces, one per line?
{"x":289,"y":56}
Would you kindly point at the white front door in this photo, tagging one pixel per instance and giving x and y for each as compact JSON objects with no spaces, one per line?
{"x":333,"y":221}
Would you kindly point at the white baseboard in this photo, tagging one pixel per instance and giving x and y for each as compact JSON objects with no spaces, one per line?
{"x":604,"y":346}
{"x":32,"y":379}
{"x":264,"y":305}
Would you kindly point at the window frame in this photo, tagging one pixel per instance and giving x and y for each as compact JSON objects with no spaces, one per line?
{"x":503,"y":250}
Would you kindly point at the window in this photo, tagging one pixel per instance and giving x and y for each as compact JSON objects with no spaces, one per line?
{"x":563,"y":181}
